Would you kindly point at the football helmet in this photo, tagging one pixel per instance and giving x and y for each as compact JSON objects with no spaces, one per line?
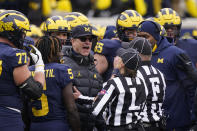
{"x":76,"y":18}
{"x":13,"y":26}
{"x":35,"y":32}
{"x":60,"y":25}
{"x":98,"y":31}
{"x":56,"y":24}
{"x":169,"y":18}
{"x":129,"y":19}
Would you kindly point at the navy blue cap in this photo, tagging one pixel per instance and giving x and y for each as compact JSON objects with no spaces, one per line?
{"x":151,"y":28}
{"x":110,"y":32}
{"x":109,"y":47}
{"x":82,"y":30}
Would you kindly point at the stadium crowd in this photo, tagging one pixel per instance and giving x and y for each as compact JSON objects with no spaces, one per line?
{"x":69,"y":74}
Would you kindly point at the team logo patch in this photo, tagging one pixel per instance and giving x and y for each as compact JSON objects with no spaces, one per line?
{"x":160,"y":60}
{"x":87,"y":29}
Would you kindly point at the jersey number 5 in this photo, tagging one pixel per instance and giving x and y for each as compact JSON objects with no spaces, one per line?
{"x":70,"y":73}
{"x":44,"y":103}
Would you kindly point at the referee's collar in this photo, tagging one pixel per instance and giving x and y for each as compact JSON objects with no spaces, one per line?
{"x":146,"y":63}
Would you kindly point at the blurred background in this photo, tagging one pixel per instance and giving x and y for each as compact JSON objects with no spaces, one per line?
{"x":103,"y":12}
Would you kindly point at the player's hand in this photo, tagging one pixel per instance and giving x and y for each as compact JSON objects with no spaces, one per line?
{"x":37,"y":58}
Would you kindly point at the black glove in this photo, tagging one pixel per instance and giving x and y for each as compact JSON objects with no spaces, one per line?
{"x":187,"y":67}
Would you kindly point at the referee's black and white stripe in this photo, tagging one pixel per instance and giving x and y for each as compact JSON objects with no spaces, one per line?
{"x":124,"y":98}
{"x":155,"y":91}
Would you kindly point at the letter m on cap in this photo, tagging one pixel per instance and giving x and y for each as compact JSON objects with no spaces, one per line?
{"x":160,"y":60}
{"x":87,"y":29}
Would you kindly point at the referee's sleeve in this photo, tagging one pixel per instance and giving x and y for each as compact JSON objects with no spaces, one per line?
{"x":104,"y":96}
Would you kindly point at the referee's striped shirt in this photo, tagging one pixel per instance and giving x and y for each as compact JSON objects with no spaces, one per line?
{"x":124,"y":97}
{"x":155,"y":91}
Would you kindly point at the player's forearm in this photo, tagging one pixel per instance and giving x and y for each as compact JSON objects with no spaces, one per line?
{"x":74,"y":120}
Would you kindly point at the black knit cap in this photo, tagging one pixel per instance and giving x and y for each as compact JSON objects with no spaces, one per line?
{"x":130,"y":58}
{"x":141,"y":44}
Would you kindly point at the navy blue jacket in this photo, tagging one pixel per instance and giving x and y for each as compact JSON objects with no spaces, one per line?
{"x":190,"y":47}
{"x":177,"y":102}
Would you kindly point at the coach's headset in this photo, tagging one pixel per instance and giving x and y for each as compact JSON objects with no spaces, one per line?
{"x":159,"y":29}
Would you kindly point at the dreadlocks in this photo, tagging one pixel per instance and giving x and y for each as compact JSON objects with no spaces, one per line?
{"x":50,"y":48}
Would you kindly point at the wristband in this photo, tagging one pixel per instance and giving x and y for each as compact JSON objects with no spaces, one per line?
{"x":39,"y":68}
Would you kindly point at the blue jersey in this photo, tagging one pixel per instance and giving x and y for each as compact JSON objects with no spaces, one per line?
{"x":50,"y":105}
{"x":10,"y":58}
{"x":108,"y":48}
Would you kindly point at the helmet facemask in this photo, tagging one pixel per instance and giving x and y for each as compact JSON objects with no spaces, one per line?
{"x":172,"y":23}
{"x":55,"y":25}
{"x":128,"y":20}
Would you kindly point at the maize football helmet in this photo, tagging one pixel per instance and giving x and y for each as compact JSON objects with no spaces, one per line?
{"x":127,"y":20}
{"x":56,"y":24}
{"x":169,"y":18}
{"x":76,"y":18}
{"x":13,"y":26}
{"x":35,"y":32}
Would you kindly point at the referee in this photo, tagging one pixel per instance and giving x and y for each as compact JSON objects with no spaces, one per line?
{"x":155,"y":86}
{"x":124,"y":96}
